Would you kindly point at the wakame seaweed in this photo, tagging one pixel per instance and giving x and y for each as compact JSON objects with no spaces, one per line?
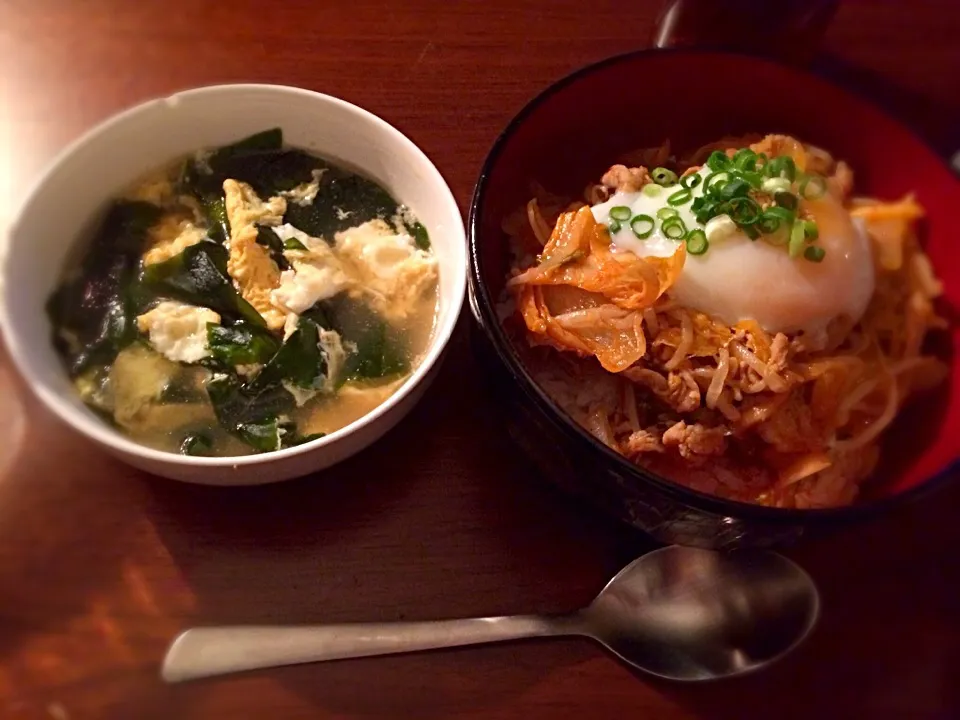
{"x":299,"y":360}
{"x":198,"y":444}
{"x":344,"y":200}
{"x":252,"y":410}
{"x":198,"y":276}
{"x":97,"y":309}
{"x":260,"y":160}
{"x":252,"y":414}
{"x":271,"y":139}
{"x":421,"y":238}
{"x":241,"y":344}
{"x":376,"y":351}
{"x":272,"y":242}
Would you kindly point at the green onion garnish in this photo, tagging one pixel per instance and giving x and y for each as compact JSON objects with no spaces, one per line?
{"x":786,"y":200}
{"x":728,"y":190}
{"x":782,"y":166}
{"x":813,"y":187}
{"x":715,"y":181}
{"x":744,"y":210}
{"x":652,"y":189}
{"x":718,"y":161}
{"x":697,"y":242}
{"x":663,"y":176}
{"x":814,"y":253}
{"x":797,"y":237}
{"x":735,"y":188}
{"x":783,"y":214}
{"x":614,"y":226}
{"x":768,"y":224}
{"x":772,"y":186}
{"x":621,"y":213}
{"x":745,"y":160}
{"x":674,"y":228}
{"x":642,"y":226}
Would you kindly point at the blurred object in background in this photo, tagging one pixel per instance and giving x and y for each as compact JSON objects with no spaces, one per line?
{"x":789,"y":30}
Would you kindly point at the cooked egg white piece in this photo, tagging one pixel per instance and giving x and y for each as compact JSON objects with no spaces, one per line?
{"x":316,"y":273}
{"x":178,"y":331}
{"x":739,"y":279}
{"x":392,"y":270}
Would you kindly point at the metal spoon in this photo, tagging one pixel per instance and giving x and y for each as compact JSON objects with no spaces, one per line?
{"x":679,"y":613}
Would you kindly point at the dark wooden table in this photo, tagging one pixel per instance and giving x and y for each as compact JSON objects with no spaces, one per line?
{"x":101,"y":565}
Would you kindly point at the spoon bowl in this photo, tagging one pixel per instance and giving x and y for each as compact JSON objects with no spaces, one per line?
{"x":689,"y":614}
{"x":679,"y":613}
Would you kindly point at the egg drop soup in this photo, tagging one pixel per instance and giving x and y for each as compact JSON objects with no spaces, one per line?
{"x":246,"y":299}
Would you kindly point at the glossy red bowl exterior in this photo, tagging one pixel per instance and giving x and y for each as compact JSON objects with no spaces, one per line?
{"x":566,"y":138}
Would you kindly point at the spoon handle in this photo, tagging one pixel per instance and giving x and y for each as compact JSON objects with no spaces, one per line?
{"x":203,"y":652}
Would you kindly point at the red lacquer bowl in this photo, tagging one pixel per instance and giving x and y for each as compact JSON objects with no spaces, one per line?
{"x":568,"y":135}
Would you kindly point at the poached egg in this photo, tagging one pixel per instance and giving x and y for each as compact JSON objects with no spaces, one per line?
{"x":740,"y":279}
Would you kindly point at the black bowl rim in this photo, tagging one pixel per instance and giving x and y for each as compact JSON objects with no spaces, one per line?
{"x":490,"y":324}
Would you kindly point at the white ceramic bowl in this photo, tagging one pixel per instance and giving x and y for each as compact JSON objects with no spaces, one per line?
{"x":79,"y":183}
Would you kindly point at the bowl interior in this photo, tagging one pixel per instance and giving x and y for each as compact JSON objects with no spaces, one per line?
{"x":569,"y":135}
{"x":70,"y":197}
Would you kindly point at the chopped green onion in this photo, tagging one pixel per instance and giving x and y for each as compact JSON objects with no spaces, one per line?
{"x":775,"y":185}
{"x":698,"y":203}
{"x":663,"y":176}
{"x":751,"y":232}
{"x":754,"y":178}
{"x":814,"y":253}
{"x":642,"y":226}
{"x":796,"y":240}
{"x":681,"y":197}
{"x":813,"y":187}
{"x":768,"y":224}
{"x":782,"y":166}
{"x":745,"y":159}
{"x":667,"y":212}
{"x":718,"y":161}
{"x":697,"y":242}
{"x":735,"y":188}
{"x":614,"y":226}
{"x":786,"y":199}
{"x":690,"y":181}
{"x":652,"y":189}
{"x":621,"y":213}
{"x":715,"y":181}
{"x":293,"y":244}
{"x":810,"y":230}
{"x":783,"y":214}
{"x":196,"y":444}
{"x":744,"y":210}
{"x":720,"y":228}
{"x":674,"y":228}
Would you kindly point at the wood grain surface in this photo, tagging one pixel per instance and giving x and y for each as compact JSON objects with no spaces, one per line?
{"x":101,"y":565}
